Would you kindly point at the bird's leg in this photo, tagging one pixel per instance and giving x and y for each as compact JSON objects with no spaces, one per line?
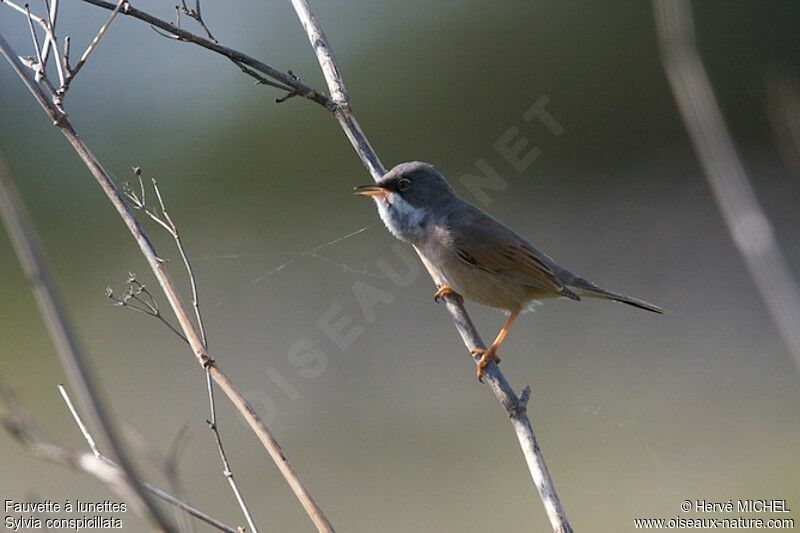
{"x":490,"y":354}
{"x":443,"y":291}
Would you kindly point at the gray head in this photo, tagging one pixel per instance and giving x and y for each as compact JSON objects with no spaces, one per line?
{"x":416,"y":182}
{"x":408,"y":196}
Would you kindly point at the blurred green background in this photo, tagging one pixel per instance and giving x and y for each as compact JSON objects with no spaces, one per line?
{"x":634,"y":412}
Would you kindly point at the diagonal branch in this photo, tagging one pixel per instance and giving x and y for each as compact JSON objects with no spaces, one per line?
{"x":294,"y":85}
{"x":502,"y":389}
{"x":26,"y":244}
{"x":182,"y":314}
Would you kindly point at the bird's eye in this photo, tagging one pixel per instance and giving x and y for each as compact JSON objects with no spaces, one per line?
{"x":403,"y":184}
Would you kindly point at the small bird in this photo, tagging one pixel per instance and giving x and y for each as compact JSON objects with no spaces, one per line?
{"x":481,"y":259}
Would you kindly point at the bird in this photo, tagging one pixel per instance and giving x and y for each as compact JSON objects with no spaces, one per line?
{"x":476,"y":255}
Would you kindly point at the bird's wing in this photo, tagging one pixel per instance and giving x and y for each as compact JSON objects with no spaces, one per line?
{"x":483,"y":242}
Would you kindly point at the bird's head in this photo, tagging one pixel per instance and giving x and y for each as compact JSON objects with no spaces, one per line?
{"x":408,"y":197}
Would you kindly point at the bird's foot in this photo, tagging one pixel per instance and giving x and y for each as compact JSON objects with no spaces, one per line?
{"x":446,"y":291}
{"x":487,"y":356}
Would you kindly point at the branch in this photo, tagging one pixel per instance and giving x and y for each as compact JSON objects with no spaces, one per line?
{"x":284,"y":80}
{"x":160,"y":215}
{"x":182,"y":314}
{"x":747,"y":222}
{"x":92,"y":46}
{"x":28,"y":249}
{"x":20,"y":426}
{"x":502,"y":389}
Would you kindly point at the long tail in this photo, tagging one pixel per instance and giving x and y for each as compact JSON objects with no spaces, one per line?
{"x":589,"y":289}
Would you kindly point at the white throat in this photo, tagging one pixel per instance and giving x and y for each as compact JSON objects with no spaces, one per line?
{"x":403,"y":220}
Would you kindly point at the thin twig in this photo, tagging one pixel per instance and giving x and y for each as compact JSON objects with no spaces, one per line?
{"x":92,"y":45}
{"x":226,"y":468}
{"x":66,"y":54}
{"x":78,"y":420}
{"x":146,"y":305}
{"x":239,"y":58}
{"x":28,"y":249}
{"x":186,"y":263}
{"x":163,"y":218}
{"x":212,"y":423}
{"x":197,"y":15}
{"x":748,"y":224}
{"x":40,"y":73}
{"x":24,"y":11}
{"x":52,"y":16}
{"x":182,"y":315}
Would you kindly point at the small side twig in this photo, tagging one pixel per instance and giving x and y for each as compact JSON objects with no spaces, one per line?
{"x":138,"y":298}
{"x":23,"y":11}
{"x":161,"y":216}
{"x":170,"y":30}
{"x":78,"y":420}
{"x":40,"y":71}
{"x":196,"y":14}
{"x":92,"y":47}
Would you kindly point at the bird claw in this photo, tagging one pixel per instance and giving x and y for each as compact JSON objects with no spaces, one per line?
{"x":445,"y":291}
{"x":487,"y":356}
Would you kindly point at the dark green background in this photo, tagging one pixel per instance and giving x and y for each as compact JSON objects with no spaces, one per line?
{"x":635,"y":412}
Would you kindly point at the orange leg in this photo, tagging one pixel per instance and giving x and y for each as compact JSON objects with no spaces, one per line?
{"x":445,"y":291}
{"x":487,"y":356}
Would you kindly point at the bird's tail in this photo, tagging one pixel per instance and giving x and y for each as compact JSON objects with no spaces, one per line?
{"x":590,"y":290}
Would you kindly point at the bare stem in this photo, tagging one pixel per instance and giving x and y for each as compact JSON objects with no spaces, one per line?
{"x":186,"y":263}
{"x":160,"y":215}
{"x":226,"y":467}
{"x":40,"y":66}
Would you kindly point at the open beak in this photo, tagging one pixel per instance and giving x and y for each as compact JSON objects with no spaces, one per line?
{"x":376,"y":191}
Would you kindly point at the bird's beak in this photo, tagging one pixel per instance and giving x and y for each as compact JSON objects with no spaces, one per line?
{"x":374,"y":190}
